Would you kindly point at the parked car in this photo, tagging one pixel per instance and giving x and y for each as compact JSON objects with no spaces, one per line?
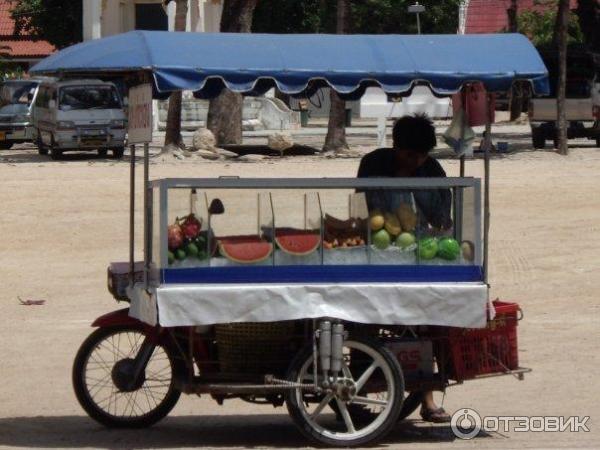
{"x":79,"y":115}
{"x":582,"y":104}
{"x":16,"y":99}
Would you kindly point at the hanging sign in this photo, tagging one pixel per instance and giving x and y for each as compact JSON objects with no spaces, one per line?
{"x":140,"y":114}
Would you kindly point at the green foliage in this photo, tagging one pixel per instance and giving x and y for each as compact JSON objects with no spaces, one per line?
{"x":367,"y":16}
{"x":539,"y":25}
{"x":56,"y":21}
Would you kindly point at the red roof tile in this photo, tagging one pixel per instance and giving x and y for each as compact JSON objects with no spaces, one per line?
{"x":489,"y":16}
{"x":25,"y":48}
{"x":20,"y":45}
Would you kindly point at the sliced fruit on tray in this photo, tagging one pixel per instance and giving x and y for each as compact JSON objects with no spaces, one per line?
{"x":297,"y":242}
{"x":244,"y":249}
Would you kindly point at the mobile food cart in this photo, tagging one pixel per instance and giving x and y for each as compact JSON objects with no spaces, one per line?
{"x":288,"y":291}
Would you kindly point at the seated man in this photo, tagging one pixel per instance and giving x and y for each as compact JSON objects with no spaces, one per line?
{"x":413,"y":138}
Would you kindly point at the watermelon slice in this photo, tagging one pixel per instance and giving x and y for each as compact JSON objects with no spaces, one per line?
{"x":297,"y":242}
{"x":244,"y":249}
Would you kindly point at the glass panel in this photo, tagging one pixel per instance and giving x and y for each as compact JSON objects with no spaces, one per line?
{"x":239,"y":229}
{"x":345,"y":229}
{"x":186,"y":233}
{"x":297,"y":229}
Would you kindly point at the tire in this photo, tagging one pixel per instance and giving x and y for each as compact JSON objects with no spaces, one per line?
{"x":4,"y":145}
{"x":42,"y":149}
{"x":102,"y":152}
{"x":322,"y":427}
{"x":124,"y":340}
{"x":597,"y":142}
{"x":118,"y":152}
{"x":538,"y":138}
{"x":55,"y":153}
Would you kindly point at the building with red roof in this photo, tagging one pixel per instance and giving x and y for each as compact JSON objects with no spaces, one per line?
{"x":20,"y":49}
{"x":490,"y":16}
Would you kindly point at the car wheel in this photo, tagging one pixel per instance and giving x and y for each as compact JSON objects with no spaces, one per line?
{"x":538,"y":138}
{"x":102,"y":152}
{"x":5,"y":145}
{"x":118,"y":152}
{"x":55,"y":153}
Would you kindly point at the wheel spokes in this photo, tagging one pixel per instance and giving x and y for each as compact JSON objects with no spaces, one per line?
{"x":98,"y":376}
{"x":321,"y":406}
{"x":346,"y":416}
{"x":369,"y":401}
{"x":366,"y":375}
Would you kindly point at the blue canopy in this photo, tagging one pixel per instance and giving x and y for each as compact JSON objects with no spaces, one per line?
{"x":299,"y":64}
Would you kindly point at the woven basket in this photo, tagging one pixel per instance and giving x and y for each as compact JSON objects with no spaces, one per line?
{"x":255,"y":348}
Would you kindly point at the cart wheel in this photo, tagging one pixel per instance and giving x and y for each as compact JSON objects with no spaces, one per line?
{"x":102,"y":385}
{"x":378,"y":386}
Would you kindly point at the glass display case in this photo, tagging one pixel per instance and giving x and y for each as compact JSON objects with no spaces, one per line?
{"x":330,"y":229}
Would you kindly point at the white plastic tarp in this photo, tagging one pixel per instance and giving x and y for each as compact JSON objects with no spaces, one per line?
{"x":444,"y":304}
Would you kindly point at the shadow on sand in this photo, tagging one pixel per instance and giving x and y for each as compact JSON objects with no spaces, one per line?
{"x":216,"y":431}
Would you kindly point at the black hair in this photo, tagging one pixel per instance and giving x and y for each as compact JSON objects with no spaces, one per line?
{"x":414,"y":133}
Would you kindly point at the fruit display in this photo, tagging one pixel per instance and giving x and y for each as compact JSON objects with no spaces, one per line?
{"x":448,"y":249}
{"x":344,"y":233}
{"x":245,"y":249}
{"x":407,"y":217}
{"x":376,"y":220}
{"x":392,"y":224}
{"x":186,"y":239}
{"x":405,"y":240}
{"x":427,"y":248}
{"x":297,"y":242}
{"x":381,"y":239}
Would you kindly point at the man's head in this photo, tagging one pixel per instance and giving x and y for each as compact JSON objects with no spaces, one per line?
{"x":414,"y":137}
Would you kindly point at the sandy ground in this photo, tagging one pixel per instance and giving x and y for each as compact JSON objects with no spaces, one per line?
{"x":62,"y":222}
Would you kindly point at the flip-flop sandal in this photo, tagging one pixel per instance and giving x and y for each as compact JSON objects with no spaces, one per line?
{"x":435,"y":415}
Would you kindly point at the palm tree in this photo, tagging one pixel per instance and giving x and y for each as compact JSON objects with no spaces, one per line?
{"x":336,"y":131}
{"x":225,"y":111}
{"x":173,"y":131}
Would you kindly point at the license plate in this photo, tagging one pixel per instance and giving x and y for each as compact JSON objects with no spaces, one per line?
{"x":2,"y":135}
{"x":92,"y":143}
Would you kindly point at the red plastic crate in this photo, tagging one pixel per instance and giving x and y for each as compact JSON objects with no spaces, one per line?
{"x":480,"y":351}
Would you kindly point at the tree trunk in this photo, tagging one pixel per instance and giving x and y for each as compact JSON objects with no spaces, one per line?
{"x":173,"y":131}
{"x":225,"y":110}
{"x":562,"y":20}
{"x":516,"y":91}
{"x":336,"y":127}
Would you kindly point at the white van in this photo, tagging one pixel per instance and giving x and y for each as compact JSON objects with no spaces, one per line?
{"x":75,"y":115}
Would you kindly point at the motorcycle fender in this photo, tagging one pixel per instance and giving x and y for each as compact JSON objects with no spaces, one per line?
{"x":114,"y":318}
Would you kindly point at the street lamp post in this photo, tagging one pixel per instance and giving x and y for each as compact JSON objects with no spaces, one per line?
{"x":417,"y":9}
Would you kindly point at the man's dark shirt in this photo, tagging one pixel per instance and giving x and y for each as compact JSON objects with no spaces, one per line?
{"x":434,"y":204}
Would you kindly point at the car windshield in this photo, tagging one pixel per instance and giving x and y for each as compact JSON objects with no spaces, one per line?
{"x":17,"y":92}
{"x":14,"y":109}
{"x":88,"y":97}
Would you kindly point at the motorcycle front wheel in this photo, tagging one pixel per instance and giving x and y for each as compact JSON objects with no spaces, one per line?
{"x":104,"y":384}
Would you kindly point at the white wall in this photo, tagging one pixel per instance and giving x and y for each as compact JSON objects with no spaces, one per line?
{"x":108,"y":17}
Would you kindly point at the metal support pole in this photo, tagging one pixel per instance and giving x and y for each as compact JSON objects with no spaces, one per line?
{"x":147,"y":218}
{"x":486,"y":195}
{"x":132,"y":215}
